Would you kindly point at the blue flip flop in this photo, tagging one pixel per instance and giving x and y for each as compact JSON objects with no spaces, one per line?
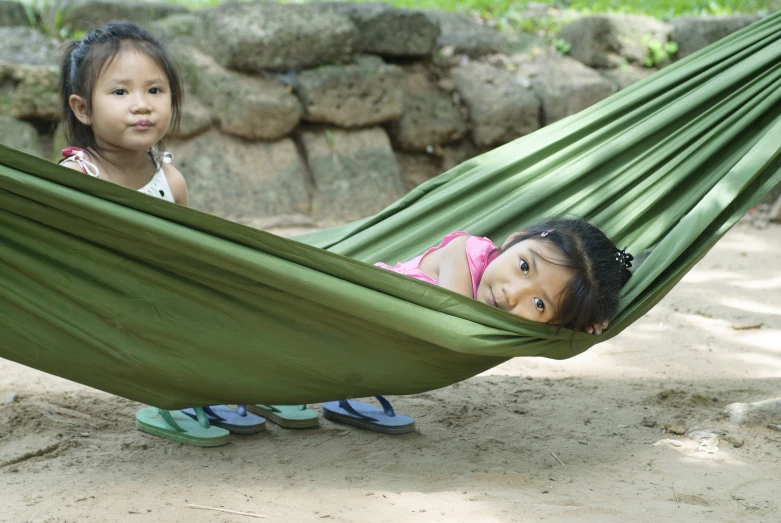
{"x":368,"y":416}
{"x":238,"y":422}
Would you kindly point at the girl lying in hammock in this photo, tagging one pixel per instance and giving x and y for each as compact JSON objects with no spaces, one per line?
{"x":564,"y":272}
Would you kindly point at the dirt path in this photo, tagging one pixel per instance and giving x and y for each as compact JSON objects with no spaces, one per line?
{"x":532,"y":440}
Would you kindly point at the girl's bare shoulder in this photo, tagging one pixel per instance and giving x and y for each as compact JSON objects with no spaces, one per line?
{"x":447,"y":254}
{"x":176,"y":182}
{"x":456,"y":244}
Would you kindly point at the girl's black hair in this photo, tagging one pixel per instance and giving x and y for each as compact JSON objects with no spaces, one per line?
{"x":85,"y":60}
{"x":591,"y":295}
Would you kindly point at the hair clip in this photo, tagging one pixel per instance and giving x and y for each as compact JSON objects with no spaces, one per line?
{"x":624,"y":258}
{"x":543,"y":234}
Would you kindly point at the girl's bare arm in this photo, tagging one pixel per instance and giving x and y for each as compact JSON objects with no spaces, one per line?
{"x":452,"y":267}
{"x":176,"y":183}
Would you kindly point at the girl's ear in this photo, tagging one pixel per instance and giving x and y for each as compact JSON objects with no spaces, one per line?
{"x":512,"y":237}
{"x":79,"y":108}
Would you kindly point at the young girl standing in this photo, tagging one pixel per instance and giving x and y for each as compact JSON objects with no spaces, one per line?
{"x":121,"y":94}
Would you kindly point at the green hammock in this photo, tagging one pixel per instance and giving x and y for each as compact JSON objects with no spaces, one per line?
{"x":173,"y":307}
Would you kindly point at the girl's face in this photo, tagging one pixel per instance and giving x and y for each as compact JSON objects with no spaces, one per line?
{"x":520,"y":281}
{"x":131,"y":103}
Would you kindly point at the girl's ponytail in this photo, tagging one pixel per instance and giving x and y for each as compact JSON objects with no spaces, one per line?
{"x":67,"y":74}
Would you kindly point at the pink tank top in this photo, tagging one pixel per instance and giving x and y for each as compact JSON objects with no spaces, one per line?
{"x":479,"y":252}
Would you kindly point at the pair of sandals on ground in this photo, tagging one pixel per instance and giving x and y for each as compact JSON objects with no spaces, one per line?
{"x":210,"y":426}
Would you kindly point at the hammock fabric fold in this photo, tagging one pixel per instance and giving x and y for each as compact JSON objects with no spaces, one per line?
{"x":172,"y":307}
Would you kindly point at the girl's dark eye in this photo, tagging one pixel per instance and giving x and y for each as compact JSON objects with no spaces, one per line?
{"x":539,"y":304}
{"x":118,"y":92}
{"x":155,"y":90}
{"x":524,"y":267}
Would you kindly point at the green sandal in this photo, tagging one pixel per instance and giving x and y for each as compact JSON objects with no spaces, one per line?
{"x":176,"y":426}
{"x":288,"y":416}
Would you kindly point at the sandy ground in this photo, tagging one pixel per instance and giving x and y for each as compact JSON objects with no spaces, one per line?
{"x":485,"y":450}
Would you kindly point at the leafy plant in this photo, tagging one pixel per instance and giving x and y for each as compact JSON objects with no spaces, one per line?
{"x":562,"y":46}
{"x":516,"y":20}
{"x":48,"y":16}
{"x":496,"y":9}
{"x":673,"y":8}
{"x":658,"y":51}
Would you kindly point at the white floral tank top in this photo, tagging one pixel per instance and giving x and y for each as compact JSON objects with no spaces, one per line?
{"x":157,"y":186}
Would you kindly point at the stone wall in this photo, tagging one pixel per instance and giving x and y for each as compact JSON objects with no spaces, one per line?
{"x":331,"y":111}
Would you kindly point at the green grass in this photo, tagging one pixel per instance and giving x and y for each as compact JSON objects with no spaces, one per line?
{"x":673,"y":8}
{"x":508,"y":14}
{"x":500,"y":8}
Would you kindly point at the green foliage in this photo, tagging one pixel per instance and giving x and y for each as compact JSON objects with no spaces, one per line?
{"x":658,"y":51}
{"x":5,"y":105}
{"x":199,"y":4}
{"x":562,"y":46}
{"x":671,"y":8}
{"x":506,"y":15}
{"x":516,"y":20}
{"x":496,"y":9}
{"x":48,"y":16}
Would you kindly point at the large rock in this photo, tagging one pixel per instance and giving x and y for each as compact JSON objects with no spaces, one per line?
{"x":612,"y":40}
{"x":12,"y":14}
{"x":31,"y":91}
{"x":696,"y":32}
{"x":86,"y":15}
{"x":354,"y":172}
{"x":463,"y":34}
{"x":5,"y":102}
{"x":7,"y":87}
{"x":501,"y":108}
{"x":19,"y":135}
{"x":258,"y":36}
{"x":25,"y":45}
{"x":58,"y":143}
{"x":174,"y":26}
{"x":520,"y":43}
{"x":242,"y":180}
{"x":622,"y":78}
{"x":29,"y":74}
{"x":360,"y":94}
{"x":195,"y":118}
{"x":563,"y":85}
{"x":759,"y":412}
{"x":430,"y":117}
{"x":417,"y":168}
{"x":252,"y":107}
{"x":390,"y":31}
